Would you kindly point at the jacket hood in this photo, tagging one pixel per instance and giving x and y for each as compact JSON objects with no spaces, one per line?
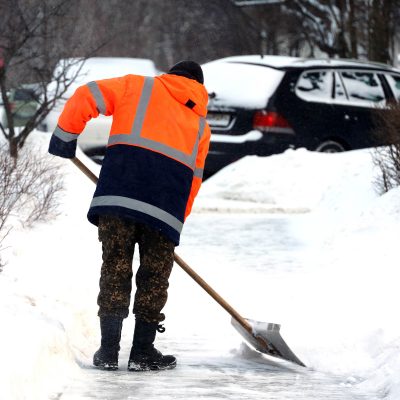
{"x":186,"y":90}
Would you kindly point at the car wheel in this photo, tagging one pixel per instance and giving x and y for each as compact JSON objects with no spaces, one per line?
{"x":330,"y":146}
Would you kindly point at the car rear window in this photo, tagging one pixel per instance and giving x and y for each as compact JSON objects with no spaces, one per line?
{"x":394,"y":82}
{"x":315,"y":85}
{"x":240,"y":85}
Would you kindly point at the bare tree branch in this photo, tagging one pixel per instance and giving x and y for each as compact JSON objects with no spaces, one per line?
{"x":28,"y":58}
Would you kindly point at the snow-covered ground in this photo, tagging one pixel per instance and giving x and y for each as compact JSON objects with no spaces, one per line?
{"x":299,"y":239}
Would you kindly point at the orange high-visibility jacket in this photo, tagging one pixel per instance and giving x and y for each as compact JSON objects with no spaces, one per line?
{"x":158,"y":143}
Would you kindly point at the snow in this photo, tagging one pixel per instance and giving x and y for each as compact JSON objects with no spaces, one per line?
{"x":253,"y":86}
{"x":273,"y":61}
{"x":96,"y":68}
{"x":284,"y":61}
{"x":251,"y":136}
{"x":329,"y":277}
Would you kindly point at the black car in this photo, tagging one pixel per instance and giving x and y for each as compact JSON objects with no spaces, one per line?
{"x":265,"y":105}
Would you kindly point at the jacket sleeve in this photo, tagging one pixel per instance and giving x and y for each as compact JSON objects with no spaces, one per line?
{"x":198,"y":172}
{"x":88,"y":101}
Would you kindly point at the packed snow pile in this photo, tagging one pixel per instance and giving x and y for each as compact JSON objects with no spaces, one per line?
{"x":351,"y":283}
{"x":294,"y":182}
{"x":349,"y":288}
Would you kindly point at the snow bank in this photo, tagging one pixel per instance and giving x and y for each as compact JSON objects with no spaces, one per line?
{"x":359,"y":290}
{"x":294,"y":182}
{"x":348,"y":323}
{"x":34,"y":348}
{"x":43,"y":325}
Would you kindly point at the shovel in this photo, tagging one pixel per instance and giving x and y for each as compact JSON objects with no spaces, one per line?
{"x":263,"y":336}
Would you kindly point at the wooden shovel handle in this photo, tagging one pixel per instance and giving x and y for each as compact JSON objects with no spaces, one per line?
{"x":85,"y":170}
{"x":223,"y":303}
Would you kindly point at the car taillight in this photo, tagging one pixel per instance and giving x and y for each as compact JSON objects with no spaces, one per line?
{"x":270,"y":121}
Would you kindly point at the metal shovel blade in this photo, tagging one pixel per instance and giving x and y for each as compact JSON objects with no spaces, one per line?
{"x":266,"y":339}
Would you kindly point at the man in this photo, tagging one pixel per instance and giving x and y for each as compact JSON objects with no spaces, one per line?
{"x":151,"y":173}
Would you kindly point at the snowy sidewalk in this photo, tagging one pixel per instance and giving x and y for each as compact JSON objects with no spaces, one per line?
{"x":329,"y":277}
{"x":249,"y":259}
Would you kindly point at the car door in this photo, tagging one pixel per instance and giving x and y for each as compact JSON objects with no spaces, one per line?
{"x":310,"y":111}
{"x":357,"y":94}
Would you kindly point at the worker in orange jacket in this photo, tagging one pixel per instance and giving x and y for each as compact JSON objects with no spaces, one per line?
{"x":151,"y":173}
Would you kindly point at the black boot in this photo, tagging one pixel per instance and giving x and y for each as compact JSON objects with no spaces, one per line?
{"x":107,"y":356}
{"x":144,"y":356}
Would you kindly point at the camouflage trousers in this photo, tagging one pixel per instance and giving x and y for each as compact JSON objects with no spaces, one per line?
{"x":156,"y":252}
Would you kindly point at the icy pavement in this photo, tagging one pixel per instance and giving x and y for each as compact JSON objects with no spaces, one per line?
{"x":254,"y":262}
{"x":217,"y":379}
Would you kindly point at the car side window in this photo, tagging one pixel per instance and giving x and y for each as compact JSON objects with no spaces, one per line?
{"x":394,"y":82}
{"x":363,"y":87}
{"x":315,"y":86}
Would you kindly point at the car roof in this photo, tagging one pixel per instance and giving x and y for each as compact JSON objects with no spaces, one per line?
{"x":95,"y":68}
{"x":289,"y":63}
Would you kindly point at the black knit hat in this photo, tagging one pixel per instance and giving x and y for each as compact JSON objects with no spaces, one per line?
{"x":189,"y":69}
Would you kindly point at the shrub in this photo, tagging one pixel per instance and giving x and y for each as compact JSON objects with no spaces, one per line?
{"x":387,"y":158}
{"x":29,"y":189}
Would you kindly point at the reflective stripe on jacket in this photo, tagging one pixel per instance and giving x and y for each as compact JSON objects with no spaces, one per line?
{"x":156,"y":150}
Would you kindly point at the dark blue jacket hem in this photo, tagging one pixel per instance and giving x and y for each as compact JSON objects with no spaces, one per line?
{"x":166,"y":230}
